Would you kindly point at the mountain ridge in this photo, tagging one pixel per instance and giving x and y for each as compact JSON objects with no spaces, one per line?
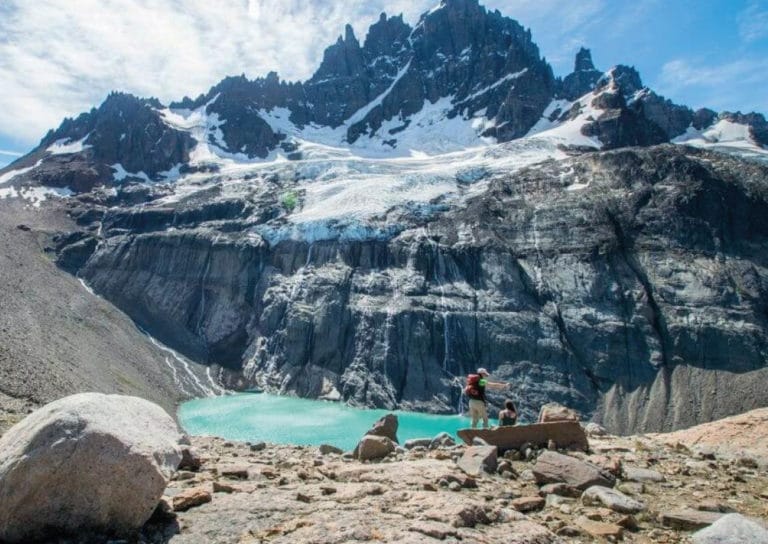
{"x":462,"y":76}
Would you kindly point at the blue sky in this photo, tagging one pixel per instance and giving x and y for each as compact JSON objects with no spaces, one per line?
{"x":59,"y":58}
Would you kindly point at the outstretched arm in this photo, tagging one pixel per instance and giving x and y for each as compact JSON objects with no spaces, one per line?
{"x":497,"y":385}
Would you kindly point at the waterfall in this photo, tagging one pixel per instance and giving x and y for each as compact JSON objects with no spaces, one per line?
{"x":439,"y":267}
{"x":202,"y":297}
{"x":462,"y":397}
{"x":301,"y":274}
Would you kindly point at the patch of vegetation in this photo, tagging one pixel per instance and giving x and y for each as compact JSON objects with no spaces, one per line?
{"x":289,"y":200}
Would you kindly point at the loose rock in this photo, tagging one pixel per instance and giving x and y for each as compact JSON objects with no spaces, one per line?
{"x":478,"y":459}
{"x":613,"y":499}
{"x":553,"y":467}
{"x":189,"y":498}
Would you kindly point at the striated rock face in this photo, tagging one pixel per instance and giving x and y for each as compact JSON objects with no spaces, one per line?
{"x":627,"y":285}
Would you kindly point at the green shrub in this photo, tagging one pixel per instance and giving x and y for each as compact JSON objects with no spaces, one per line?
{"x":289,"y":200}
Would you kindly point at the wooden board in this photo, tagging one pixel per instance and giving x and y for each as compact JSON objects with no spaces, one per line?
{"x":566,"y":434}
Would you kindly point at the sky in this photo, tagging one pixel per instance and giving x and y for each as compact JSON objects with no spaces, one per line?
{"x":59,"y":58}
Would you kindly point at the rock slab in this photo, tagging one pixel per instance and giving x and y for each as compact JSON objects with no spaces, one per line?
{"x":552,"y":467}
{"x":87,"y":462}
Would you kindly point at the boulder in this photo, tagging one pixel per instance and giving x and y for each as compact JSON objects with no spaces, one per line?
{"x":417,"y":443}
{"x":386,"y":426}
{"x":88,"y":462}
{"x":613,"y":499}
{"x":732,"y":529}
{"x":552,"y":467}
{"x":553,"y":411}
{"x":372,"y":447}
{"x":442,"y":440}
{"x":478,"y":459}
{"x":595,"y":429}
{"x":327,"y":449}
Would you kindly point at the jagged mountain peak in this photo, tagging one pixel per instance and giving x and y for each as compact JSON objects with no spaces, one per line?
{"x":583,"y":62}
{"x":463,"y":76}
{"x":625,"y":79}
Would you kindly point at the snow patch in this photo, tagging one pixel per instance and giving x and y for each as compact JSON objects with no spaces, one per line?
{"x":725,"y":136}
{"x":35,"y":195}
{"x":568,"y":132}
{"x":65,"y":146}
{"x":8,"y":176}
{"x":121,"y":174}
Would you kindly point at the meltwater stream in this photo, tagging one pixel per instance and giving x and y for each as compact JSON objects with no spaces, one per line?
{"x":285,"y":420}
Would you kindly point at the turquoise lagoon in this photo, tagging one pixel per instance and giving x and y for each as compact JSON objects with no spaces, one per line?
{"x":253,"y":417}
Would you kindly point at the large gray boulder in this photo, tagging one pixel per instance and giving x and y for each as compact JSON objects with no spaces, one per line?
{"x":552,"y":467}
{"x":732,"y":529}
{"x":85,"y":463}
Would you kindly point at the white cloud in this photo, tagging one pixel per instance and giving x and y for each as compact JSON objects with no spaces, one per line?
{"x":10,"y":153}
{"x":59,"y":58}
{"x":753,"y":22}
{"x":725,"y":86}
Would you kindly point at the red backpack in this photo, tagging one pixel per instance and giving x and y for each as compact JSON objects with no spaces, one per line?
{"x":472,"y":390}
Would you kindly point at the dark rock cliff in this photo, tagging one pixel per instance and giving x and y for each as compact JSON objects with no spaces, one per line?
{"x":630,"y":285}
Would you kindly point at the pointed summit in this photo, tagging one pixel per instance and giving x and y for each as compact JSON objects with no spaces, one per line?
{"x":583,"y":78}
{"x":349,"y":34}
{"x":583,"y":61}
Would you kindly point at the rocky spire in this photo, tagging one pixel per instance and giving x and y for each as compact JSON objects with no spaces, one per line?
{"x":583,"y":61}
{"x":583,"y":78}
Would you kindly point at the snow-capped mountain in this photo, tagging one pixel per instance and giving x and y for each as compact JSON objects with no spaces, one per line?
{"x":462,"y":77}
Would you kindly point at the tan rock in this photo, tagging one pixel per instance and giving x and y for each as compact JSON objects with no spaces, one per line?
{"x":599,"y":529}
{"x":220,"y":487}
{"x":556,"y":412}
{"x":189,"y":498}
{"x":372,"y":448}
{"x":528,"y":504}
{"x":552,"y":467}
{"x":478,"y":459}
{"x":433,"y":529}
{"x":689,"y":519}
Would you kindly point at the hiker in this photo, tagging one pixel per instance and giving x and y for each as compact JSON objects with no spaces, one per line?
{"x":475,"y":390}
{"x":508,"y":416}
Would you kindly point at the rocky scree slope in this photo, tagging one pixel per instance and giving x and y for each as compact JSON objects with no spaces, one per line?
{"x":59,"y":339}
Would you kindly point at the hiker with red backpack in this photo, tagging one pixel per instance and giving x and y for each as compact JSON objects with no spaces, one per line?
{"x":475,"y":391}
